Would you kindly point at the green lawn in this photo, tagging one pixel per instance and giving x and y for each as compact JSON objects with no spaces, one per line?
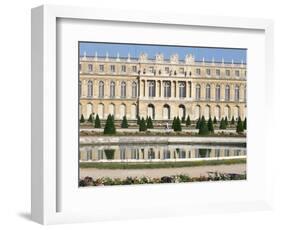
{"x":150,"y":165}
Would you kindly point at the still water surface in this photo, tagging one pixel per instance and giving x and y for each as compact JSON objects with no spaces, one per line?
{"x":154,"y":152}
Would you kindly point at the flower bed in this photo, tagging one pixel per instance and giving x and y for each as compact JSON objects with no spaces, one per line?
{"x":212,"y":176}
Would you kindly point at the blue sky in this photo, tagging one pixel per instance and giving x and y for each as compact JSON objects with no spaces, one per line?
{"x":134,"y":49}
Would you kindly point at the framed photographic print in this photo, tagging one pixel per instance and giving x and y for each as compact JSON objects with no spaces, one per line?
{"x":148,"y":115}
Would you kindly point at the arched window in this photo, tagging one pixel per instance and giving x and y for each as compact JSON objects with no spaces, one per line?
{"x":218,"y":92}
{"x":237,"y":93}
{"x":181,"y":111}
{"x":208,"y":92}
{"x":198,"y":92}
{"x":227,"y":93}
{"x":133,"y":111}
{"x":123,"y":89}
{"x":122,"y":110}
{"x":80,"y":89}
{"x":182,"y":89}
{"x":227,"y":112}
{"x":207,"y":113}
{"x":100,"y":110}
{"x":167,"y":89}
{"x":112,"y":89}
{"x":90,"y":88}
{"x":151,"y":88}
{"x":101,"y":89}
{"x":134,"y":89}
{"x":166,"y":112}
{"x":111,"y":109}
{"x":151,"y":111}
{"x":218,"y":112}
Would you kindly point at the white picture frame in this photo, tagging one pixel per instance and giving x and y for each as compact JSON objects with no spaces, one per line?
{"x":50,"y":192}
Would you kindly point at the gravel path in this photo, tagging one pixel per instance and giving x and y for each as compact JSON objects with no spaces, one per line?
{"x":191,"y":171}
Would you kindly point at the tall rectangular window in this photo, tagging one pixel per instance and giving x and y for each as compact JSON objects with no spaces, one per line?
{"x":208,"y":72}
{"x":182,"y":89}
{"x":218,"y":72}
{"x":90,"y":67}
{"x":101,"y":68}
{"x":112,"y":68}
{"x":151,"y":88}
{"x":134,"y":68}
{"x":227,"y":93}
{"x":123,"y":89}
{"x":167,"y":89}
{"x":237,"y":73}
{"x":208,"y":92}
{"x":218,"y":93}
{"x":198,"y":71}
{"x":112,"y":89}
{"x":123,"y":69}
{"x":227,"y":72}
{"x":134,"y":89}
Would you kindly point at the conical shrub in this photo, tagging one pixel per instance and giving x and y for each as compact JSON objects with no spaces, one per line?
{"x":124,"y":123}
{"x":97,"y":122}
{"x":188,"y":122}
{"x":82,"y":119}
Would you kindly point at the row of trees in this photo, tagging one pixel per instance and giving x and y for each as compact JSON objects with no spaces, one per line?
{"x":205,"y":127}
{"x":96,"y":122}
{"x":109,"y":127}
{"x":145,"y":124}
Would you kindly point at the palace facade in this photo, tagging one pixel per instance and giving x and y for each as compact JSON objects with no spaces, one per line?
{"x":161,"y":88}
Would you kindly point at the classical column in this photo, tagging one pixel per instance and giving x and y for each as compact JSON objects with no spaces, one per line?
{"x":213,"y":92}
{"x":96,"y":88}
{"x":141,"y":89}
{"x":177,"y":90}
{"x":203,"y":91}
{"x":232,"y":93}
{"x":106,"y":88}
{"x":117,"y":89}
{"x":156,"y":90}
{"x":146,"y":89}
{"x":222,"y":92}
{"x":162,"y":89}
{"x":172,"y":89}
{"x":84,"y":88}
{"x":190,"y":89}
{"x":193,"y":88}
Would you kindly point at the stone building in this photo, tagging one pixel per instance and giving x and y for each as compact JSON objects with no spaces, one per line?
{"x":161,"y":88}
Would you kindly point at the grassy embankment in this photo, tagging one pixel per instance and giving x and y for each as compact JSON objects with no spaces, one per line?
{"x":155,"y":165}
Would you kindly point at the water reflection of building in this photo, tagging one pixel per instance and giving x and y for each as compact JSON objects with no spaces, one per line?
{"x":150,"y":153}
{"x":161,"y":88}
